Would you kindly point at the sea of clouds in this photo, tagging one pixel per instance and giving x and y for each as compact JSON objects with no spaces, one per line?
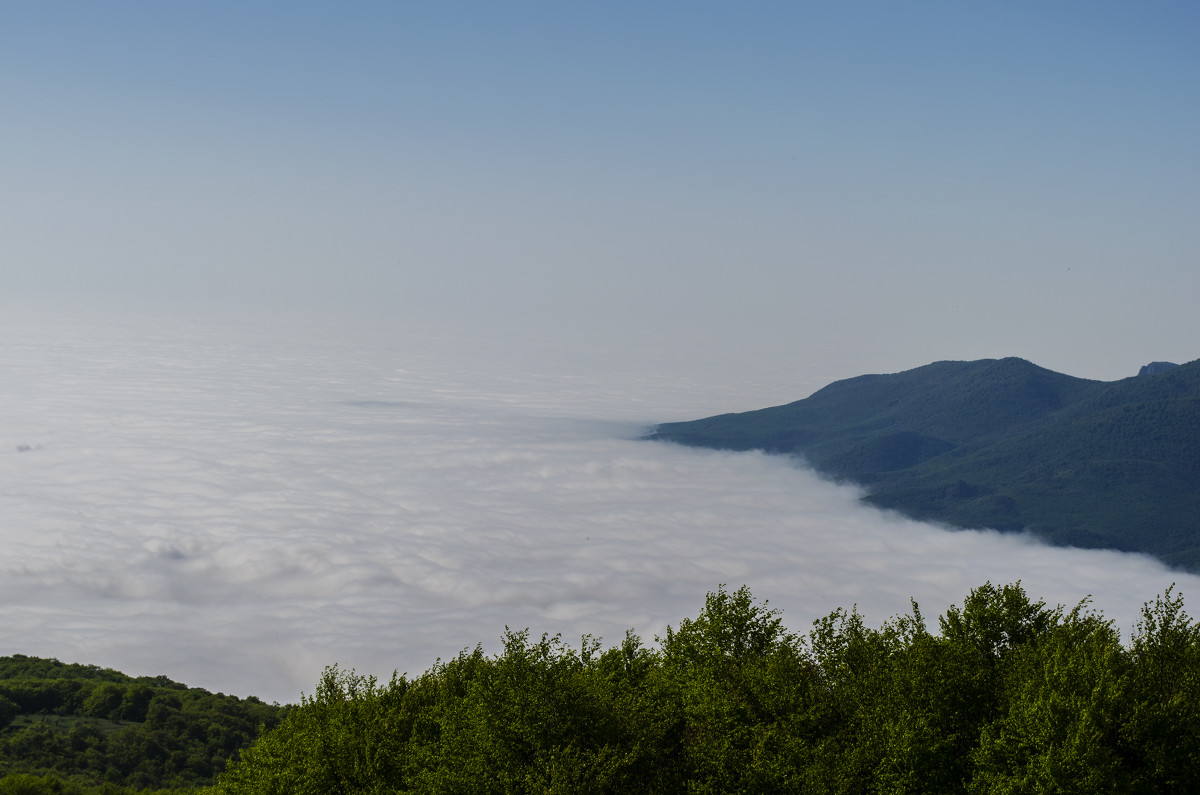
{"x":237,"y":501}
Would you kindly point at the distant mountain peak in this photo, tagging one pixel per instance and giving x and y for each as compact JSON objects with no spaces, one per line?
{"x":1004,"y":444}
{"x":1157,"y":367}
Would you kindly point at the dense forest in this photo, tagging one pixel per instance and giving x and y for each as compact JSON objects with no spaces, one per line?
{"x":1008,"y":695}
{"x":1003,"y":444}
{"x":79,"y":729}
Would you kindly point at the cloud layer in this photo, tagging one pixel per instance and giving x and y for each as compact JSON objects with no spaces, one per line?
{"x":239,"y":503}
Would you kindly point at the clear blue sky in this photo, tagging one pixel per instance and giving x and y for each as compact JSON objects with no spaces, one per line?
{"x":890,"y":182}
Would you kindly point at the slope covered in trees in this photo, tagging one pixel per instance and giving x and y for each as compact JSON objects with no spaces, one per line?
{"x":1001,"y":444}
{"x":80,"y":728}
{"x":1009,"y":695}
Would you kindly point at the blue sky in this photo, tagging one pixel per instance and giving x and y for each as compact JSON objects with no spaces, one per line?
{"x":890,"y":183}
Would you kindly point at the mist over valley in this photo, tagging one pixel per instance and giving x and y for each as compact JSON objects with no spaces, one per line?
{"x":241,"y":500}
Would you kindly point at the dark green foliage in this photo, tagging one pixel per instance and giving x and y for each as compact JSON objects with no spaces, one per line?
{"x":1002,"y":444}
{"x":90,"y":729}
{"x":1009,"y":696}
{"x":27,"y":784}
{"x":8,"y":710}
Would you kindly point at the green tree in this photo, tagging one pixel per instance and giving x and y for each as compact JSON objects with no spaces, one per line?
{"x":746,"y":694}
{"x":104,"y":700}
{"x":338,"y":741}
{"x":1162,"y":729}
{"x":8,"y":711}
{"x":996,"y":619}
{"x":1062,"y":710}
{"x":135,"y":702}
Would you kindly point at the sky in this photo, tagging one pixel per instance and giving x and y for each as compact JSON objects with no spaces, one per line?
{"x":329,"y":329}
{"x":904,"y":182}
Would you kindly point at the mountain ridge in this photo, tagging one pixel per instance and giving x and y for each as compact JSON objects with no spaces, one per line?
{"x":1004,"y":444}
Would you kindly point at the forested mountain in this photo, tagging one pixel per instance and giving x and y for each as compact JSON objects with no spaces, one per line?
{"x":1009,"y":695}
{"x":1002,"y":443}
{"x":81,"y":729}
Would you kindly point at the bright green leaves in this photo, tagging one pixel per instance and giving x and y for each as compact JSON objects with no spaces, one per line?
{"x":1162,"y":726}
{"x":104,"y":700}
{"x":1010,"y":696}
{"x":338,"y":741}
{"x":744,"y":694}
{"x":994,"y":620}
{"x":730,"y":628}
{"x":1061,"y":710}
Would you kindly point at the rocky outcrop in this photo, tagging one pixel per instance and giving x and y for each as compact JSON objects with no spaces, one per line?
{"x":1157,"y":367}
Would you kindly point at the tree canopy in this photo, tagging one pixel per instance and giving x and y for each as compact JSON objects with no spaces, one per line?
{"x":1008,"y":695}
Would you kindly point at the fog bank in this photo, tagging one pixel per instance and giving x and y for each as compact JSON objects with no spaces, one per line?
{"x":238,"y":501}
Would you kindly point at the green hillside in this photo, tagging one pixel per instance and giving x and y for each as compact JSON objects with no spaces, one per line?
{"x":1003,"y":444}
{"x":68,"y":728}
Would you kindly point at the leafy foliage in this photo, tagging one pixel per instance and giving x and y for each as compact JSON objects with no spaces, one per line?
{"x":80,"y":728}
{"x":1002,"y":444}
{"x":1010,"y":695}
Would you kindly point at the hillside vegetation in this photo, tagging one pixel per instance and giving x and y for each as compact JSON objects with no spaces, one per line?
{"x":1009,"y":695}
{"x":1003,"y":444}
{"x":68,"y":728}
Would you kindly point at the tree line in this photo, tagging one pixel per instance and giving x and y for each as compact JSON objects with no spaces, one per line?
{"x":1008,"y":695}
